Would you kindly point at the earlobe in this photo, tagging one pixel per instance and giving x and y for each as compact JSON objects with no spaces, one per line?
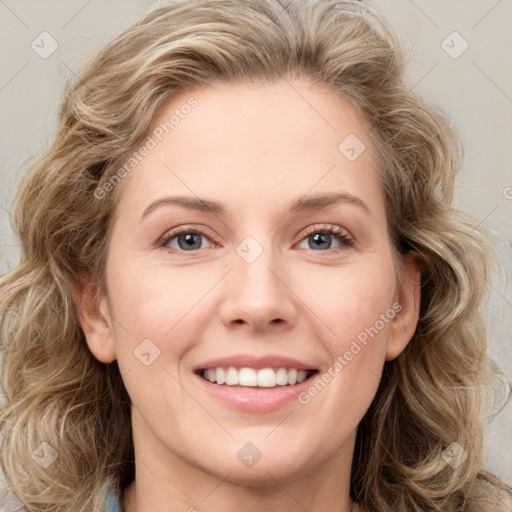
{"x":404,"y":323}
{"x":94,"y":316}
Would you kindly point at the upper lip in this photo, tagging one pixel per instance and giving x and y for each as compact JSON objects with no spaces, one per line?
{"x":256,"y":362}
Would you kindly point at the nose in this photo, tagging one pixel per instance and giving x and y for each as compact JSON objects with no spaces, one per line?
{"x":258,"y":296}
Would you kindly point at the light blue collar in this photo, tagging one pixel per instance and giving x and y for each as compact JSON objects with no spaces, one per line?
{"x":112,"y":502}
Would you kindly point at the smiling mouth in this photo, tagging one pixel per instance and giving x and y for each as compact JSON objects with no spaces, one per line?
{"x":255,"y":378}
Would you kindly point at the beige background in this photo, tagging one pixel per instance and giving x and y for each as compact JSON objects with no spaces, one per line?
{"x":473,"y":86}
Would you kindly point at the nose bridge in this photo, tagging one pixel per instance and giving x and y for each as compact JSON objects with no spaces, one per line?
{"x":255,"y":292}
{"x":253,"y":271}
{"x":257,"y":283}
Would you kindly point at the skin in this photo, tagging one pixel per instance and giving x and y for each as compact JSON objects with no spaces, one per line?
{"x":255,"y":148}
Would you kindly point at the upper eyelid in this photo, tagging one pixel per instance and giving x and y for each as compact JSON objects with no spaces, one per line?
{"x":174,"y":232}
{"x":324,"y":227}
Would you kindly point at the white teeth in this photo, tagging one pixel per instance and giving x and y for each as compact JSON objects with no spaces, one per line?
{"x":231,"y":376}
{"x":292,"y":376}
{"x":281,"y":377}
{"x":247,"y":377}
{"x":265,"y":377}
{"x":221,"y":375}
{"x":301,"y":375}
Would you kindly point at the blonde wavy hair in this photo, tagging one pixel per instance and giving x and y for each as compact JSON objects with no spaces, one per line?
{"x":58,"y":393}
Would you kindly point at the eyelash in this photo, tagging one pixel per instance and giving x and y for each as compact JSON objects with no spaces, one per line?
{"x":340,"y":234}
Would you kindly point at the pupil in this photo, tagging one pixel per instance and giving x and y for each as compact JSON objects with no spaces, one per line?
{"x":189,"y":241}
{"x":322,"y":238}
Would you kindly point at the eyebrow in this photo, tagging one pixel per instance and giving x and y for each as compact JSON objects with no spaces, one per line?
{"x":302,"y":204}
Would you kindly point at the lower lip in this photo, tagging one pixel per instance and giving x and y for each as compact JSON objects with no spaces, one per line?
{"x":255,"y":399}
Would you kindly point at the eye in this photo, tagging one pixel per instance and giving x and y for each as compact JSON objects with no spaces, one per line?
{"x":189,"y":239}
{"x":321,"y":237}
{"x":183,"y":239}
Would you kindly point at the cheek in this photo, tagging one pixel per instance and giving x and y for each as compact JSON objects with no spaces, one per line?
{"x":358,"y":311}
{"x":357,"y":306}
{"x":155,"y":301}
{"x":349,"y":300}
{"x":159,"y":305}
{"x":155,"y":324}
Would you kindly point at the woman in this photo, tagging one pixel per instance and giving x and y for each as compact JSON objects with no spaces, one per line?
{"x":243,"y":283}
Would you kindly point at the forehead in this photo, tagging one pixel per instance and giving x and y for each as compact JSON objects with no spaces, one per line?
{"x":275,"y":112}
{"x":268,"y":140}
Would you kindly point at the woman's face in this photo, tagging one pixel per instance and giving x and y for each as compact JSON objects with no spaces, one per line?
{"x":252,"y":234}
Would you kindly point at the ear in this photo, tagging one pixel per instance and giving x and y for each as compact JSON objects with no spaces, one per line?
{"x":404,"y":323}
{"x":94,"y":316}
